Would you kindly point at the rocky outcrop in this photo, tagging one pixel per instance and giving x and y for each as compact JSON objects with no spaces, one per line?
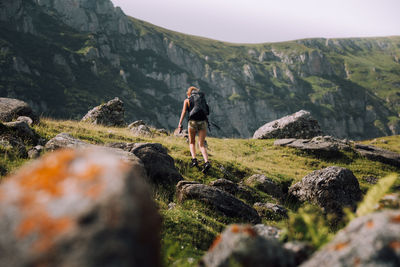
{"x":326,"y":145}
{"x":371,"y":240}
{"x":218,"y":199}
{"x":379,"y":154}
{"x":225,"y":185}
{"x":11,"y":109}
{"x":109,"y":114}
{"x":265,"y":184}
{"x":88,"y":202}
{"x":241,"y":245}
{"x":298,"y":125}
{"x":271,"y":211}
{"x":332,"y":188}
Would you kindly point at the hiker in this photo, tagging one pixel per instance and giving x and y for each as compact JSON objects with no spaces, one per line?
{"x":197,"y":108}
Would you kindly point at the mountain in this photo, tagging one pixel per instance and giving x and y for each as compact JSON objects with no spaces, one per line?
{"x":65,"y":57}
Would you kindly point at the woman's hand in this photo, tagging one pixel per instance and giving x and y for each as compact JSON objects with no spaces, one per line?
{"x":180,"y":128}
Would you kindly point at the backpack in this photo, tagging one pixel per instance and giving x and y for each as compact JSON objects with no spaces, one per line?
{"x":199,"y":109}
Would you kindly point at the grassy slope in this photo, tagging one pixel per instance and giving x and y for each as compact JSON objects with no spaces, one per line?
{"x":189,"y":229}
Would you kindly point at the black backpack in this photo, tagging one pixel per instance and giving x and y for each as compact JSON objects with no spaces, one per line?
{"x":198,"y":107}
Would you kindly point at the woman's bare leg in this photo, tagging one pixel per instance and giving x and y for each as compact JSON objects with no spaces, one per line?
{"x":192,"y":142}
{"x":202,"y":137}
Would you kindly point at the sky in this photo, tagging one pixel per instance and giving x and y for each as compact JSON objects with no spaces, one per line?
{"x":260,"y":21}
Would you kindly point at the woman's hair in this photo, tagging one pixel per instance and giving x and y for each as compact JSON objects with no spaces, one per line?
{"x":190,"y":89}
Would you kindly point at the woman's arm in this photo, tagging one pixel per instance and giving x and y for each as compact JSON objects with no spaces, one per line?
{"x":185,"y":104}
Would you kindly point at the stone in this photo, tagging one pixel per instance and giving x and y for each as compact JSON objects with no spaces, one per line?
{"x":240,"y":245}
{"x":78,"y":207}
{"x":136,"y":124}
{"x":109,"y":114}
{"x":371,"y":240}
{"x":265,"y":184}
{"x":160,"y":166}
{"x":21,"y":130}
{"x":271,"y":211}
{"x":378,"y":154}
{"x":35,"y":152}
{"x":301,"y":250}
{"x":142,"y":130}
{"x":25,"y":119}
{"x":225,"y":185}
{"x":11,"y":109}
{"x":267,"y":231}
{"x":298,"y":125}
{"x":64,"y":140}
{"x":332,"y":189}
{"x":218,"y":199}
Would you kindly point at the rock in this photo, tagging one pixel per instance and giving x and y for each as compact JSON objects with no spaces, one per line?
{"x":267,"y":231}
{"x":64,"y":140}
{"x":20,"y":129}
{"x":318,"y":145}
{"x":298,"y":125}
{"x":225,"y":185}
{"x":301,"y":250}
{"x":271,"y":211}
{"x":25,"y":119}
{"x":13,"y":145}
{"x":142,"y":130}
{"x":11,"y":109}
{"x":108,"y":114}
{"x":136,"y":124}
{"x":265,"y":184}
{"x":240,"y":245}
{"x":171,"y":206}
{"x":159,"y":165}
{"x":370,"y":179}
{"x":371,"y":240}
{"x":81,"y":208}
{"x":379,"y":154}
{"x":390,"y":201}
{"x":332,"y":188}
{"x":35,"y":152}
{"x":218,"y":199}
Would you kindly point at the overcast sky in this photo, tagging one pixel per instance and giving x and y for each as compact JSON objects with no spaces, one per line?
{"x":258,"y":21}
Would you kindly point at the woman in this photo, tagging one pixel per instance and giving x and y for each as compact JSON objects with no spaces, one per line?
{"x":197,"y":124}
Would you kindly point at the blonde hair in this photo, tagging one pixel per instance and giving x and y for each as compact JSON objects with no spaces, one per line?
{"x":190,"y":89}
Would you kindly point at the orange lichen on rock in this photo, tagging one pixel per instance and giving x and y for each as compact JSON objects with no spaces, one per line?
{"x":47,"y":176}
{"x":340,"y":246}
{"x":370,"y":224}
{"x":395,"y":219}
{"x":47,"y":229}
{"x":357,"y":261}
{"x":235,"y":228}
{"x":250,"y":231}
{"x":395,"y":245}
{"x":216,"y":241}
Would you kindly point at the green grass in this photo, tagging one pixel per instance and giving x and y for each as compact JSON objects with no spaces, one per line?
{"x":190,"y":228}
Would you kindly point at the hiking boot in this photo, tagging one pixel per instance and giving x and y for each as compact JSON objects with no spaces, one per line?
{"x":194,"y":163}
{"x":206,"y":167}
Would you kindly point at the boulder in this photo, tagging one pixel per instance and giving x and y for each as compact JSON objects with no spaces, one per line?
{"x":318,"y":145}
{"x":25,"y":119}
{"x":240,"y":245}
{"x":298,"y":125}
{"x":216,"y":198}
{"x":332,"y":188}
{"x":78,"y":208}
{"x":22,"y":131}
{"x":379,"y":154}
{"x":142,"y":130}
{"x":159,"y":165}
{"x":136,"y":124}
{"x":225,"y":185}
{"x":64,"y":140}
{"x":271,"y":211}
{"x":267,"y":231}
{"x":371,"y":240}
{"x":11,"y":109}
{"x":265,"y":184}
{"x":108,"y":114}
{"x":35,"y":152}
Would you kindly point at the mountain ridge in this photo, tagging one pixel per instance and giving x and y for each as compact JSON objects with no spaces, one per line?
{"x":149,"y":68}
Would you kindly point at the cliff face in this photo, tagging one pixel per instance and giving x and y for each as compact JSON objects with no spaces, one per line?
{"x":66,"y":56}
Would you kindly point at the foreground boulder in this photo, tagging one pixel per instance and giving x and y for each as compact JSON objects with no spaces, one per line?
{"x":11,"y":109}
{"x":78,"y":208}
{"x":332,"y":188}
{"x":379,"y":154}
{"x":372,"y":240}
{"x":298,"y":125}
{"x":240,"y":245}
{"x":218,"y":199}
{"x":109,"y":114}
